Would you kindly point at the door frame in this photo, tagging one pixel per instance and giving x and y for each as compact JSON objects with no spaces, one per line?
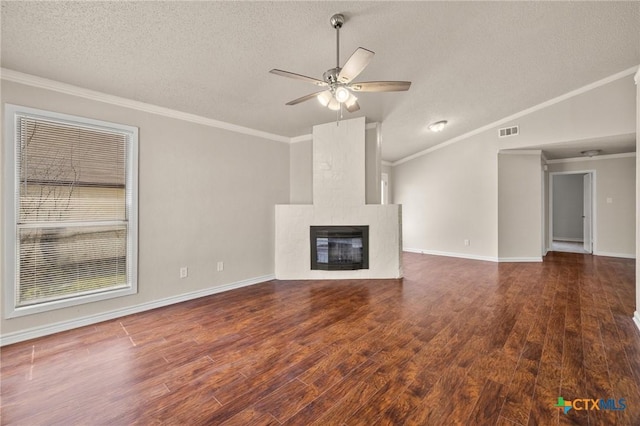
{"x":594,"y":210}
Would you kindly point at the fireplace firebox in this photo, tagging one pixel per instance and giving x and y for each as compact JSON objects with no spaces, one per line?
{"x":339,"y":248}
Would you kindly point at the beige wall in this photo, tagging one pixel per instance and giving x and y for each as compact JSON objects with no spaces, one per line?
{"x":385,"y":168}
{"x":614,"y":221}
{"x":451,"y":195}
{"x":604,"y":111}
{"x":301,"y":172}
{"x":205,"y":195}
{"x":519,"y":207}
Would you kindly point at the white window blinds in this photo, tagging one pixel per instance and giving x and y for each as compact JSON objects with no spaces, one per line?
{"x":74,"y":194}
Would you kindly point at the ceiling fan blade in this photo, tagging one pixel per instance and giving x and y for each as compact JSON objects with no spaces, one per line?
{"x":305,"y":98}
{"x":380,"y":86}
{"x":298,"y":77}
{"x":355,"y":64}
{"x":353,"y":107}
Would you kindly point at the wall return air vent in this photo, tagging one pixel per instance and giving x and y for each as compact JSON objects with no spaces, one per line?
{"x":508,"y":131}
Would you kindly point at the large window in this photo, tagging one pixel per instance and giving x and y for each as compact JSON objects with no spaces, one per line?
{"x":70,"y":210}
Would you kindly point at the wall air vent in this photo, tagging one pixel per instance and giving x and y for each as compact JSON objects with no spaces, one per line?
{"x":508,"y":131}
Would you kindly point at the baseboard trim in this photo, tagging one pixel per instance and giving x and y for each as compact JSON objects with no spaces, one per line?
{"x":452,"y":254}
{"x":519,"y":259}
{"x":569,"y":240}
{"x":636,"y":319}
{"x":32,"y":333}
{"x":621,"y":255}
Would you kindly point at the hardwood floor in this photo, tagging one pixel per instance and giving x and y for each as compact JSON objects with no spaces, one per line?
{"x":456,"y":342}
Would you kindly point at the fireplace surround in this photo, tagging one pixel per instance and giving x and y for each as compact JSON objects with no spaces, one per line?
{"x":339,"y":248}
{"x":339,"y":188}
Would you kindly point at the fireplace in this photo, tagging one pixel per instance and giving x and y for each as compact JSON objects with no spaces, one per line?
{"x":338,"y":248}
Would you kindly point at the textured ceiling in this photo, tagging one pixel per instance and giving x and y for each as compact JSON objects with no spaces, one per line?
{"x":471,"y":63}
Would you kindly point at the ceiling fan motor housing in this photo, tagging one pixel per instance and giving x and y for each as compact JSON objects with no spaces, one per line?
{"x":331,"y":76}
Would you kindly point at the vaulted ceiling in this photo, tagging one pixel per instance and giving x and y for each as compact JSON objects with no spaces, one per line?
{"x":471,"y":63}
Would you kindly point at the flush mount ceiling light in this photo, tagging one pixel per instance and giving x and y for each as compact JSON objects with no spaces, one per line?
{"x":438,"y":126}
{"x":591,"y":152}
{"x":338,"y":82}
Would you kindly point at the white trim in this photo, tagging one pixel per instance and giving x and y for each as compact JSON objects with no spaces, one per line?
{"x":451,"y":254}
{"x":309,"y":136}
{"x":568,"y":239}
{"x":32,"y":333}
{"x":56,"y":86}
{"x":520,"y":259}
{"x":594,"y":205}
{"x":598,"y":157}
{"x":11,"y":228}
{"x":636,"y":319}
{"x":609,"y":254}
{"x":301,"y":138}
{"x":520,"y":151}
{"x":527,"y":111}
{"x":386,"y":163}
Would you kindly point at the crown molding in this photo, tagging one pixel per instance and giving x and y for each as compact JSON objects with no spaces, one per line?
{"x":68,"y":89}
{"x":301,"y":138}
{"x":635,"y":69}
{"x":594,"y":158}
{"x":309,"y":136}
{"x":520,"y":152}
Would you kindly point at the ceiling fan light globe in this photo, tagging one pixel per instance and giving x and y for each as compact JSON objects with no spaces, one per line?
{"x":351,"y":100}
{"x":324,"y":98}
{"x":342,"y":94}
{"x":333,"y":105}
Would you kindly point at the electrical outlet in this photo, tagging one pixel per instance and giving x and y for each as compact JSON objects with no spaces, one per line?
{"x":467,"y":243}
{"x":220,"y":266}
{"x":184,"y":272}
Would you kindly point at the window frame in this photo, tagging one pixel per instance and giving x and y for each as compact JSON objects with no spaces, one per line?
{"x":11,"y":203}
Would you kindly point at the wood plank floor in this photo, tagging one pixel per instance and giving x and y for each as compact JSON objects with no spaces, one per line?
{"x":456,"y":342}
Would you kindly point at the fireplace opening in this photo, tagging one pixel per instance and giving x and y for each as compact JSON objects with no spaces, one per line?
{"x":338,"y":248}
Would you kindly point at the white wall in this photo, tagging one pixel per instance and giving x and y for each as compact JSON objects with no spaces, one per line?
{"x":568,"y":206}
{"x":615,"y":221}
{"x":519,"y":206}
{"x":372,"y":164}
{"x":205,"y":195}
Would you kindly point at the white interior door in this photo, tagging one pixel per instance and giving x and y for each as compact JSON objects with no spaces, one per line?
{"x":587,"y":213}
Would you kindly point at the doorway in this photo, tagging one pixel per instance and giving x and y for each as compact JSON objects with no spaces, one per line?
{"x":571,"y":211}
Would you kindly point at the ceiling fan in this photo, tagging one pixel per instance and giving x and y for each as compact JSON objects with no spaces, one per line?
{"x":338,"y":82}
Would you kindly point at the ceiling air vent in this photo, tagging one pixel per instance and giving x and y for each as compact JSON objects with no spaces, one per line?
{"x":508,"y":131}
